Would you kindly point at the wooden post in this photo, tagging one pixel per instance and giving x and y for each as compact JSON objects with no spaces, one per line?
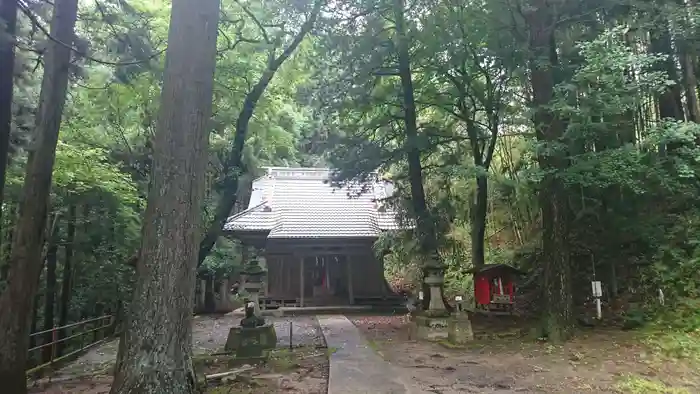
{"x":327,"y":268}
{"x":267,"y":276}
{"x":54,"y":338}
{"x":348,"y":269}
{"x":301,"y":282}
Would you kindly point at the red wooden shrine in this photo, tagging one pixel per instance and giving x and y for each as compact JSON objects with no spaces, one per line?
{"x":494,"y":286}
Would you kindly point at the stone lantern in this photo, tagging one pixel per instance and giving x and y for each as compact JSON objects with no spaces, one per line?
{"x":253,"y":338}
{"x":434,"y":279}
{"x":254,"y":275}
{"x":435,"y":322}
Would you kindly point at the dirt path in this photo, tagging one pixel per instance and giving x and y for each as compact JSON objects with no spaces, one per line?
{"x":598,"y":362}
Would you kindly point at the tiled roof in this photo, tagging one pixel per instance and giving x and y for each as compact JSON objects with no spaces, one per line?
{"x":300,"y":203}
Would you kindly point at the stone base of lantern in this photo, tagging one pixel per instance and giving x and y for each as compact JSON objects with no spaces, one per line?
{"x":252,"y":343}
{"x":459,"y":329}
{"x":456,"y":329}
{"x":430,"y":328}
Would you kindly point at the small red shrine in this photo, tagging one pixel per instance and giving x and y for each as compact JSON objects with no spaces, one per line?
{"x":494,"y":286}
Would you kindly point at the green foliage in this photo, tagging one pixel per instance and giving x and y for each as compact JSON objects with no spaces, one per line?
{"x":629,"y":167}
{"x":638,"y":385}
{"x":104,"y":156}
{"x":224,"y":260}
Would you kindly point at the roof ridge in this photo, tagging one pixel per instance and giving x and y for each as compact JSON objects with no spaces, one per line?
{"x":273,"y":185}
{"x":246,"y":211}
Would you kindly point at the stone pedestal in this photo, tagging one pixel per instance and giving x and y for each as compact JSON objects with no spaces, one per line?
{"x":455,"y":329}
{"x":429,"y":328}
{"x":251,"y":342}
{"x":459,"y":329}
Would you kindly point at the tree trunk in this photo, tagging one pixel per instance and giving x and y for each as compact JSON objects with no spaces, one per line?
{"x":25,"y":261}
{"x":50,"y":296}
{"x":233,"y":166}
{"x":425,"y":226}
{"x":157,"y":355}
{"x":688,"y":55}
{"x":478,"y":221}
{"x":7,"y":241}
{"x":8,"y":14}
{"x":66,"y":275}
{"x":558,"y":319}
{"x":691,"y":83}
{"x":670,"y":102}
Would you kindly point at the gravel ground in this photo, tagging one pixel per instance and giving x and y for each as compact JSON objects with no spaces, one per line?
{"x":209,"y":335}
{"x":305,"y":331}
{"x":210,"y":332}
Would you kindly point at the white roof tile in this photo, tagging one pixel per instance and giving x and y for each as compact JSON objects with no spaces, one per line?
{"x":300,"y":203}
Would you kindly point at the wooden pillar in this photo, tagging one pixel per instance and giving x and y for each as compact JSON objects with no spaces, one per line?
{"x":267,"y":276}
{"x":301,"y":282}
{"x":286,"y":264}
{"x":327,"y":269}
{"x":348,"y":269}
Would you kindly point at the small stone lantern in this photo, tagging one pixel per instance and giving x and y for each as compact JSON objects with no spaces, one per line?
{"x":254,"y":275}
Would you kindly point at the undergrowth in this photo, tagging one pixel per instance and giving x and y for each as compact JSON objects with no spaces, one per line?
{"x":638,"y":385}
{"x":675,"y":331}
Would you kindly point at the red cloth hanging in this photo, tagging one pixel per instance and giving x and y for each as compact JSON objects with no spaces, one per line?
{"x":482,"y":290}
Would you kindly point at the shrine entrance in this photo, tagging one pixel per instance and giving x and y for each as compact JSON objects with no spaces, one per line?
{"x":328,"y":282}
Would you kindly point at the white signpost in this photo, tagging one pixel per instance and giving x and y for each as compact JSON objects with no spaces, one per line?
{"x":597,"y":293}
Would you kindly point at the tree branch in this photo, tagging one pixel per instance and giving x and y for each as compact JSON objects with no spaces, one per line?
{"x":36,"y":23}
{"x":233,"y":165}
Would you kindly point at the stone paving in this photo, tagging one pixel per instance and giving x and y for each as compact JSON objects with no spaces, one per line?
{"x":355,"y":368}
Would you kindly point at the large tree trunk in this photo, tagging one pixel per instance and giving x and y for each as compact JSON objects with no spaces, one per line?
{"x":66,"y":275}
{"x":50,"y":297}
{"x":558,"y":319}
{"x":233,"y":166}
{"x":478,"y":221}
{"x":8,"y":15}
{"x":157,"y":355}
{"x":25,"y":261}
{"x":425,"y":226}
